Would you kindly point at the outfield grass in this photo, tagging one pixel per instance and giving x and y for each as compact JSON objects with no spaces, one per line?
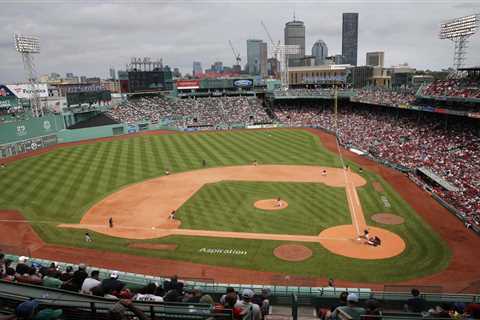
{"x":60,"y":186}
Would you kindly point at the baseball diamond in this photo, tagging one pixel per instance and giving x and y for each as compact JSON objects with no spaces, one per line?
{"x":215,"y":204}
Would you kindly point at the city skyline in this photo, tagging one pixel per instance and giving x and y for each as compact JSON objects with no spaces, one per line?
{"x":100,"y":35}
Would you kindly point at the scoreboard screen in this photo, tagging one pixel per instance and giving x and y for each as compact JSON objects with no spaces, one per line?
{"x":90,"y":97}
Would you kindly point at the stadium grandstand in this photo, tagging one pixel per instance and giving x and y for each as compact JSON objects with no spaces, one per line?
{"x":47,"y":289}
{"x":233,"y":195}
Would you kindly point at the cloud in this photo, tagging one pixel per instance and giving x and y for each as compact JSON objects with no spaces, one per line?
{"x":88,"y":37}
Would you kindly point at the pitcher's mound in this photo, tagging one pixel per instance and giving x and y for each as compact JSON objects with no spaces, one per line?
{"x":387,"y":218}
{"x":270,"y":204}
{"x":292,"y":252}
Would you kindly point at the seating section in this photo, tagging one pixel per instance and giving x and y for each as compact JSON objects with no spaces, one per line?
{"x":462,"y":88}
{"x":452,"y":152}
{"x":195,"y":300}
{"x":218,"y":112}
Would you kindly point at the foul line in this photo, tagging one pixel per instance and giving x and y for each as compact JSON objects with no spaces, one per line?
{"x":191,"y":232}
{"x":353,"y":212}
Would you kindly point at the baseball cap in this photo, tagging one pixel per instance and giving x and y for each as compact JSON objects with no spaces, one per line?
{"x":26,"y":309}
{"x":22,"y":259}
{"x":247,"y":293}
{"x":114,"y":275}
{"x":352,"y":297}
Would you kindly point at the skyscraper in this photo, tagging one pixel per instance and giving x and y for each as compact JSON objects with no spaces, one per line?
{"x":197,"y":68}
{"x":256,"y":57}
{"x":375,"y":59}
{"x":112,"y":73}
{"x":350,"y":38}
{"x":320,"y":52}
{"x":295,"y":35}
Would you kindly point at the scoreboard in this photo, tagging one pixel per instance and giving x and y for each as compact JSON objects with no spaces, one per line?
{"x":90,"y":97}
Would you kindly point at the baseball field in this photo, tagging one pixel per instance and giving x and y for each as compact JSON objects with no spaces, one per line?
{"x":214,"y":182}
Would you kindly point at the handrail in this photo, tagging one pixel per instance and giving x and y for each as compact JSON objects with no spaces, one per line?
{"x":294,"y":307}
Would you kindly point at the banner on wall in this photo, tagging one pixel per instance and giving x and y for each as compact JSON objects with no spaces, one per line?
{"x":24,"y":91}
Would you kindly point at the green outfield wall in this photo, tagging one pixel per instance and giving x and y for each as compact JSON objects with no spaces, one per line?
{"x":107,"y":131}
{"x":30,"y":128}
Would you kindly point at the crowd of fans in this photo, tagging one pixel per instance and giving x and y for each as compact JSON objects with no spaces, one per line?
{"x":214,"y":112}
{"x":452,"y":153}
{"x":464,"y":88}
{"x":244,"y":305}
{"x":386,"y":96}
{"x":305,"y":92}
{"x":348,"y":306}
{"x":247,"y":302}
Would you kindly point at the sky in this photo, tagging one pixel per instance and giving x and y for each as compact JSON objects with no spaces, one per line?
{"x":88,"y":37}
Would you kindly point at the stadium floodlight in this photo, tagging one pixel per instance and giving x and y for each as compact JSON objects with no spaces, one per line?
{"x":459,"y":30}
{"x":27,"y":46}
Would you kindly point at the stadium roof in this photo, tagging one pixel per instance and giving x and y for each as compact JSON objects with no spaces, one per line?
{"x":445,"y":184}
{"x":470,"y":69}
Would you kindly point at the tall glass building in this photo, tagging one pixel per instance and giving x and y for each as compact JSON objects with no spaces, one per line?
{"x":320,"y":52}
{"x":350,"y":38}
{"x":257,"y":57}
{"x":295,"y":35}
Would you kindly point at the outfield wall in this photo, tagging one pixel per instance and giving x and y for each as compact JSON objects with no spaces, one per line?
{"x":107,"y":131}
{"x":30,"y":128}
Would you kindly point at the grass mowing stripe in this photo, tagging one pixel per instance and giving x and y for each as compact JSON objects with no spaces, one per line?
{"x":313,"y":206}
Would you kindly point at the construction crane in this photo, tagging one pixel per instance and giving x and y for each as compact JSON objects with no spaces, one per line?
{"x":235,"y":54}
{"x":274,"y":46}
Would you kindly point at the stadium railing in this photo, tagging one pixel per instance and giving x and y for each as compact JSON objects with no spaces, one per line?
{"x":79,"y":306}
{"x":283,"y":294}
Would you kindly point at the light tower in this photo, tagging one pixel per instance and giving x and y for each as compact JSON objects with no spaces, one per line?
{"x":459,"y":30}
{"x":27,"y":46}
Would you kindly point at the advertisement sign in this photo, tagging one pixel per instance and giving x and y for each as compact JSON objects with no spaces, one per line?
{"x":132,"y":128}
{"x":85,"y":88}
{"x":243,"y":83}
{"x":188,"y":84}
{"x":5,"y":92}
{"x":8,"y":102}
{"x":24,"y":91}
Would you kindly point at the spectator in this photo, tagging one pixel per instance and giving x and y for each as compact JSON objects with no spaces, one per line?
{"x":9,"y":275}
{"x":2,"y":264}
{"x":373,"y":310}
{"x":416,"y":304}
{"x":30,"y":310}
{"x":229,"y":293}
{"x":472,"y":311}
{"x":441,"y":311}
{"x":245,"y":309}
{"x":112,"y":285}
{"x":30,"y":277}
{"x":194,"y":295}
{"x":263,"y":301}
{"x":67,"y":274}
{"x":147,"y":293}
{"x":119,"y":311}
{"x":78,"y":277}
{"x":352,"y":308}
{"x":51,"y":280}
{"x":22,"y":267}
{"x":91,"y":282}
